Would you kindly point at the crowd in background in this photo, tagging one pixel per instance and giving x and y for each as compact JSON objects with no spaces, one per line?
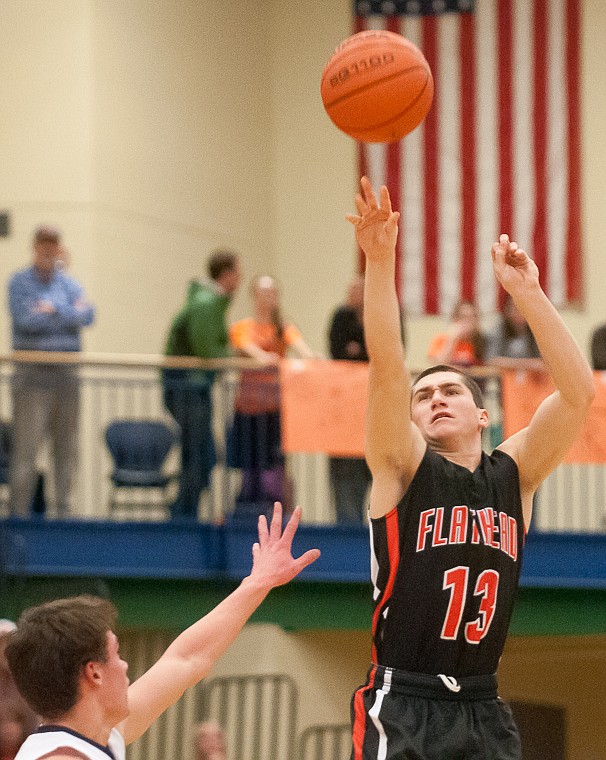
{"x":49,"y":310}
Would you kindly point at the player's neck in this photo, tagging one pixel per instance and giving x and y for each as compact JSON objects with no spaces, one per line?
{"x":468,"y":457}
{"x":89,"y":723}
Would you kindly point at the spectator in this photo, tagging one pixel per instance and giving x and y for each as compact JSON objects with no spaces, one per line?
{"x":349,"y":476}
{"x":254,"y":441}
{"x":511,"y":344}
{"x":209,"y":741}
{"x":48,"y":310}
{"x":17,"y":720}
{"x":199,"y":329}
{"x":463,"y":344}
{"x":598,"y":348}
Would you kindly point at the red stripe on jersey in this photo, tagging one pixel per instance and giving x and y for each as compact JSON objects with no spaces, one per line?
{"x":359,"y":725}
{"x":393,"y":552}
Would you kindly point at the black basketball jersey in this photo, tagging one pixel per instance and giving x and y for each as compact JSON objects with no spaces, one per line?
{"x":445,"y":565}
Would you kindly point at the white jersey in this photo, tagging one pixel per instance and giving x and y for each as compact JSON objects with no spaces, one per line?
{"x":40,"y":744}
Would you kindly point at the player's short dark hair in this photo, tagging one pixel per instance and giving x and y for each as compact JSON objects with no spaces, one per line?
{"x":51,"y":645}
{"x":219,"y":262}
{"x":468,"y":381}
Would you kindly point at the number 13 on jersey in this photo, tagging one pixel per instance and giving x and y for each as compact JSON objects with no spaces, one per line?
{"x":456,"y":581}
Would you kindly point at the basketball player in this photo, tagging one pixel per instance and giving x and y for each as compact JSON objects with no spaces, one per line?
{"x":447,"y":521}
{"x":65,"y":659}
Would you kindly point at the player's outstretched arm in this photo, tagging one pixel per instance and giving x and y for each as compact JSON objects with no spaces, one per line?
{"x":540,"y":447}
{"x":394,"y":446}
{"x":192,"y":655}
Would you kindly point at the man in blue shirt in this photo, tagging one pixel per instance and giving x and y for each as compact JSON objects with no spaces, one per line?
{"x":48,"y":310}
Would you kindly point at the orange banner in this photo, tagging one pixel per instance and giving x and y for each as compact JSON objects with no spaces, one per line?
{"x":324,"y":406}
{"x":523,"y":392}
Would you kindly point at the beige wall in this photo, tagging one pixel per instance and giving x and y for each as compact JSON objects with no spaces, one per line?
{"x":153,"y":132}
{"x":568,"y":672}
{"x":327,"y":666}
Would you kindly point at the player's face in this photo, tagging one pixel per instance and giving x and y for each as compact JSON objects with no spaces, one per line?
{"x":442,"y":407}
{"x":115,"y":680}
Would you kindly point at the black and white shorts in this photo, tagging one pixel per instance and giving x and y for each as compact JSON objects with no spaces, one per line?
{"x":398,"y":715}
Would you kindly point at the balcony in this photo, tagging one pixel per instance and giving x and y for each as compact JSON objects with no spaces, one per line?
{"x":566,"y":546}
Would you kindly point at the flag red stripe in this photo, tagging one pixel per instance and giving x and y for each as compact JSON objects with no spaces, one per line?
{"x":540,"y":140}
{"x":468,"y":156}
{"x":574,"y":285}
{"x":531,"y":108}
{"x":393,"y":180}
{"x":505,"y":120}
{"x":430,"y":175}
{"x":359,"y":25}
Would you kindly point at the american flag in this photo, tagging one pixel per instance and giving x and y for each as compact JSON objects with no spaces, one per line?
{"x":498,"y":152}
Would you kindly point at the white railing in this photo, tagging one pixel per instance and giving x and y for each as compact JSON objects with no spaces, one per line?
{"x":114,"y":386}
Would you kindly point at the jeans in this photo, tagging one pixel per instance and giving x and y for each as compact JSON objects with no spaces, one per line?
{"x":190,"y":403}
{"x":46,"y":404}
{"x":350,"y":479}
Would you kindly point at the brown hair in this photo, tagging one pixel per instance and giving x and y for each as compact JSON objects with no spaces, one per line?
{"x":468,"y":381}
{"x":219,"y":262}
{"x":52,"y":643}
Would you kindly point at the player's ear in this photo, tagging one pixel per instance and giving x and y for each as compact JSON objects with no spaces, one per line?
{"x":484,"y":420}
{"x":92,"y":672}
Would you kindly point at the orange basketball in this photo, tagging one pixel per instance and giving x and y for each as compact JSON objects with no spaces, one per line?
{"x":377,"y":86}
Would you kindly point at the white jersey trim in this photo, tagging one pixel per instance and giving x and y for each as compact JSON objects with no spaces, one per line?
{"x":38,"y":745}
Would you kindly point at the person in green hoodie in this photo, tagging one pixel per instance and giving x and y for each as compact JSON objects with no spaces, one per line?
{"x":199,"y":329}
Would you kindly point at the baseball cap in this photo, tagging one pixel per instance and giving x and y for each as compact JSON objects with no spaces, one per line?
{"x":45,"y":233}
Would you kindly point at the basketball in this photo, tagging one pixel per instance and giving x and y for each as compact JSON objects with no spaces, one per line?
{"x":377,"y":86}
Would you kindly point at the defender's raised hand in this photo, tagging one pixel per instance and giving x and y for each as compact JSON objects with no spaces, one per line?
{"x":513,"y":267}
{"x":376,"y":223}
{"x":273,"y":563}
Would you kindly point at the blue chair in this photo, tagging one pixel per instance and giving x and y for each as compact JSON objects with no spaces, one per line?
{"x":139,"y":449}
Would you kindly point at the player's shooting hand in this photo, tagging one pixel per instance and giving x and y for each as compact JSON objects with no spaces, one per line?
{"x":513,"y":267}
{"x":273,"y":563}
{"x":376,"y":223}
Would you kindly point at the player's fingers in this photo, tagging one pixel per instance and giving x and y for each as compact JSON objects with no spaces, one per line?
{"x":255,"y":551}
{"x":499,"y":250}
{"x":361,"y":205}
{"x":311,"y":555}
{"x":292,"y":525}
{"x":263,"y":530}
{"x":393,"y":220}
{"x":354,"y":219}
{"x":385,"y":199}
{"x":275,"y":530}
{"x":369,"y":195}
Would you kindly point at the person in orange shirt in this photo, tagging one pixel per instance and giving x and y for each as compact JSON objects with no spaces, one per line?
{"x":254,"y":440}
{"x":463,"y":344}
